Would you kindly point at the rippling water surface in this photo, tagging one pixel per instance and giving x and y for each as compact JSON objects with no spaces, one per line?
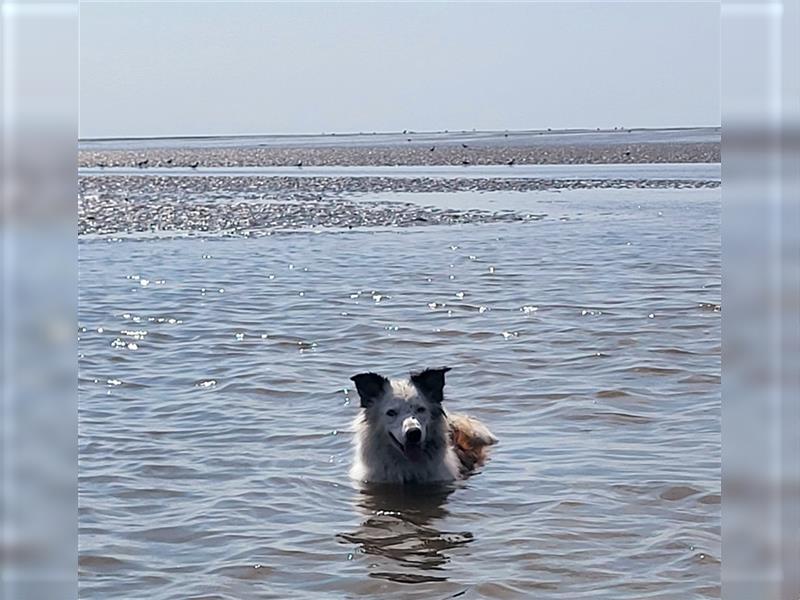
{"x":216,"y":406}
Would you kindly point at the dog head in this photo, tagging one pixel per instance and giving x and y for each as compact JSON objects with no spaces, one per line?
{"x":408,"y":412}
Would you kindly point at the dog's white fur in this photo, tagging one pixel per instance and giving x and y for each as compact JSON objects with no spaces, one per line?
{"x":396,"y":412}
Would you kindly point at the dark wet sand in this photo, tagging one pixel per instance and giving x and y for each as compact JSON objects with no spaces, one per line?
{"x":618,"y":148}
{"x":161,"y":202}
{"x":247,"y":205}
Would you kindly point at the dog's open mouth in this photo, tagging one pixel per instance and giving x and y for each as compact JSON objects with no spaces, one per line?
{"x":412,"y":452}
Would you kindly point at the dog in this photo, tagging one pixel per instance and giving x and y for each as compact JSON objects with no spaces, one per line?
{"x":403,"y":435}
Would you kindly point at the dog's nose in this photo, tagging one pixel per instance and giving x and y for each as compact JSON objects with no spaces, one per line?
{"x":413,"y":436}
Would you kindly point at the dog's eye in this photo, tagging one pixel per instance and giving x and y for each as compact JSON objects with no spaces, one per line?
{"x":420,"y":409}
{"x":391,"y":413}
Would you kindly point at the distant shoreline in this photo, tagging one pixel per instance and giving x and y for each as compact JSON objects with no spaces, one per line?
{"x":675,"y":145}
{"x":293,"y":136}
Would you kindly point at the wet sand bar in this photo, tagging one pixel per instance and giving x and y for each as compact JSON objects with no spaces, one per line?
{"x":410,"y":149}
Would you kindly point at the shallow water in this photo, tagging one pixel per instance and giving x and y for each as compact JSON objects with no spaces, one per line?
{"x":598,"y":172}
{"x":215,"y":406}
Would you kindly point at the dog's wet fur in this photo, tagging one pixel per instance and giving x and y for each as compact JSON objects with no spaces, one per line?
{"x":403,"y":435}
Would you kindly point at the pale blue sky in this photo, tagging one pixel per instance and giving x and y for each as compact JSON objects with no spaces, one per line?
{"x":203,"y":68}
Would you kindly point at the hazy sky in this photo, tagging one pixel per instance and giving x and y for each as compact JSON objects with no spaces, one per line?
{"x":195,"y":68}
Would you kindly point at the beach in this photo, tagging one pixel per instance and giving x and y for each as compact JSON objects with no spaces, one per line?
{"x":223,"y":307}
{"x":255,"y":185}
{"x":439,"y":148}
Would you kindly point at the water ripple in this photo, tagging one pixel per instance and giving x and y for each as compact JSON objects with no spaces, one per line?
{"x":214,"y":452}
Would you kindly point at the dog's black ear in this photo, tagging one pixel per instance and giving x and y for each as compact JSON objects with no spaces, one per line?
{"x":369,"y":386}
{"x":431,"y":382}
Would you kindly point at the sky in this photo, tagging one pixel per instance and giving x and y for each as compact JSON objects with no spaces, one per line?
{"x":218,"y":68}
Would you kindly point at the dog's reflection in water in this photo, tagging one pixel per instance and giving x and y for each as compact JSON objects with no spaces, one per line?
{"x":397,"y":533}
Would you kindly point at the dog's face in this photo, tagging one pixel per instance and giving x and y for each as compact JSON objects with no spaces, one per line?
{"x":405,"y":411}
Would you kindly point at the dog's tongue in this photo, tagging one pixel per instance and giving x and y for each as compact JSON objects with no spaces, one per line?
{"x":413,"y":452}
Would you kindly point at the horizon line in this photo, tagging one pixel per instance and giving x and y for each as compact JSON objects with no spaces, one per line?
{"x":404,"y":132}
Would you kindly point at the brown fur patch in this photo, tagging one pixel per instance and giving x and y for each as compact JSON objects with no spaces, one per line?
{"x":470,"y":449}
